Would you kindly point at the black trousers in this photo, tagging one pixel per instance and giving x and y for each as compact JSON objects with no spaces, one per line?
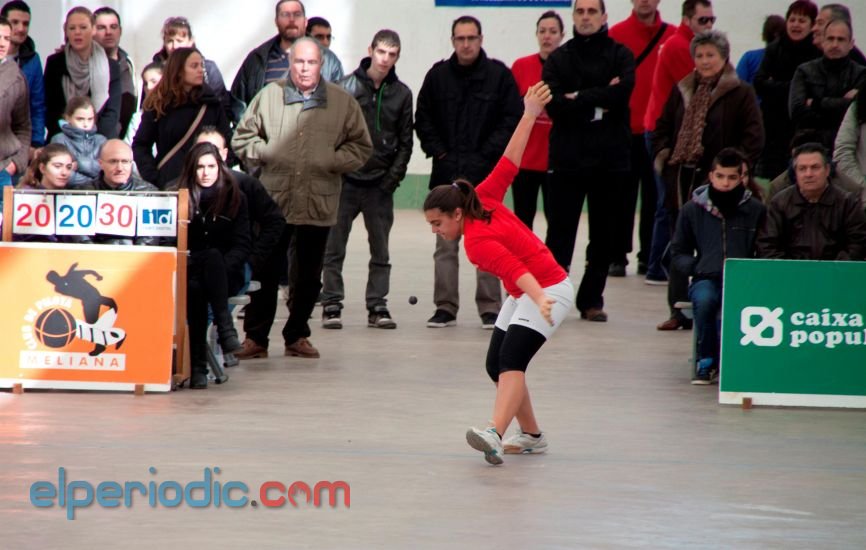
{"x":567,"y":192}
{"x":309,"y":253}
{"x":208,"y":283}
{"x":524,"y":190}
{"x":640,"y":180}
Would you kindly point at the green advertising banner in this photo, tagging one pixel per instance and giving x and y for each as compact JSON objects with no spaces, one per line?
{"x":793,"y":333}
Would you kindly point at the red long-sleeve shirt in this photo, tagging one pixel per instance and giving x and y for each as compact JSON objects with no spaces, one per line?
{"x":636,"y":36}
{"x":674,"y":63}
{"x":505,"y":247}
{"x":527,"y":71}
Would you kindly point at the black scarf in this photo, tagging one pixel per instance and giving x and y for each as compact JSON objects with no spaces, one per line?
{"x":727,"y":201}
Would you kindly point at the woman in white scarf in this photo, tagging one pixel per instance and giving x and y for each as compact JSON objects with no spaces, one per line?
{"x":82,"y":68}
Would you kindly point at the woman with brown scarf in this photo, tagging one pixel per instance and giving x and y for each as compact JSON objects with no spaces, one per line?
{"x":708,"y":110}
{"x":82,"y":68}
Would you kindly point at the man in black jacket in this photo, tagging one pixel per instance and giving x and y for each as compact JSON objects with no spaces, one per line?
{"x":387,"y":106}
{"x":468,"y":107}
{"x":591,"y":78}
{"x":269,"y":61}
{"x":823,"y":89}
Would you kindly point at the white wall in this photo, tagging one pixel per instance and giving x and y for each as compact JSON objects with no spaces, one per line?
{"x":226,"y":30}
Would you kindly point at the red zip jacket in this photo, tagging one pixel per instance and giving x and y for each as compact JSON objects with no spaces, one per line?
{"x":505,"y":247}
{"x":636,"y":36}
{"x":674,"y":63}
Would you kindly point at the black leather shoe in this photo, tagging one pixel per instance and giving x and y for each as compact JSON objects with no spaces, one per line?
{"x":198,"y":381}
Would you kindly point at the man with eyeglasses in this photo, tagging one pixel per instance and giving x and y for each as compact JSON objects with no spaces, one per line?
{"x":269,"y":62}
{"x":674,"y":63}
{"x":591,"y":78}
{"x":468,"y":107}
{"x":115,"y":174}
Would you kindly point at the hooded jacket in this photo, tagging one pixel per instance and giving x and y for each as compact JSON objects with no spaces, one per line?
{"x":465,"y":117}
{"x":591,"y":130}
{"x":388,"y":113}
{"x":168,"y":130}
{"x":704,"y":239}
{"x":84,"y":146}
{"x":15,"y":130}
{"x":31,"y":65}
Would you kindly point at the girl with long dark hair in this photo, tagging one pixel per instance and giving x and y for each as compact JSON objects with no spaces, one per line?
{"x":540,"y":294}
{"x":219,"y":245}
{"x":180,"y":103}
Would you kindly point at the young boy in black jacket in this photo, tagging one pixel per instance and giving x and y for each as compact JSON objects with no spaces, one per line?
{"x":720,"y":221}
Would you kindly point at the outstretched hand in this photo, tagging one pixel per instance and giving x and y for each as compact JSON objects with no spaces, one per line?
{"x":537,"y":96}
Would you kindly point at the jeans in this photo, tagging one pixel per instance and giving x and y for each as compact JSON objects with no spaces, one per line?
{"x":706,"y":298}
{"x":661,"y":232}
{"x":377,"y":207}
{"x":5,"y":181}
{"x":641,"y":180}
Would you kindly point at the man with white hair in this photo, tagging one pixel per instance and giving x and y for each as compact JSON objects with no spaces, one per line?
{"x":304,"y":134}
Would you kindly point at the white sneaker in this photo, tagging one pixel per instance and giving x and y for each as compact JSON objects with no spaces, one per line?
{"x":521,"y":443}
{"x":487,"y":441}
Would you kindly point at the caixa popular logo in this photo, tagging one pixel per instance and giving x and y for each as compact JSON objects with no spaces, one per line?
{"x":766,"y":327}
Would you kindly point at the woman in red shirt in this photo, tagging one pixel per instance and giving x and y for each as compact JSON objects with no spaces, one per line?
{"x":540,"y":294}
{"x":533,"y":167}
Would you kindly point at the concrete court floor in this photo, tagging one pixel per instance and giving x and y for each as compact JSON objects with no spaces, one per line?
{"x":638,"y":456}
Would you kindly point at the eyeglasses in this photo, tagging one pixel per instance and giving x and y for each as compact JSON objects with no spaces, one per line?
{"x":705,"y":20}
{"x":126,"y":163}
{"x":321,"y":37}
{"x":462,"y":39}
{"x":292,"y":14}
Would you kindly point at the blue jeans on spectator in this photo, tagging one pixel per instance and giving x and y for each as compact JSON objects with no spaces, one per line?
{"x":661,"y":224}
{"x":376,"y":205}
{"x":706,"y":298}
{"x":5,"y":181}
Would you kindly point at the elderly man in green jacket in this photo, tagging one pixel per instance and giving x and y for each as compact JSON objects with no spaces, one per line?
{"x":304,"y":134}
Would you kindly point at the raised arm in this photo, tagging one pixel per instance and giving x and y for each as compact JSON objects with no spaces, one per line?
{"x":537,"y":96}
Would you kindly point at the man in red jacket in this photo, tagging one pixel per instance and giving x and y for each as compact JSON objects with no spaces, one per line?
{"x":643,"y":32}
{"x":674,"y":63}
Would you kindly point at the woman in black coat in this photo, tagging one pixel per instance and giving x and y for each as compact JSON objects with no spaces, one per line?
{"x":82,"y":68}
{"x":179,"y":105}
{"x":219,"y":246}
{"x":773,"y":83}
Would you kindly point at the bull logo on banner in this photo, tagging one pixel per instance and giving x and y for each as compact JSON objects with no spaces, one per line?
{"x":56,"y":327}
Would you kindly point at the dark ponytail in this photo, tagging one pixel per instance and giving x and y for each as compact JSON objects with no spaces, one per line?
{"x":460,"y":194}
